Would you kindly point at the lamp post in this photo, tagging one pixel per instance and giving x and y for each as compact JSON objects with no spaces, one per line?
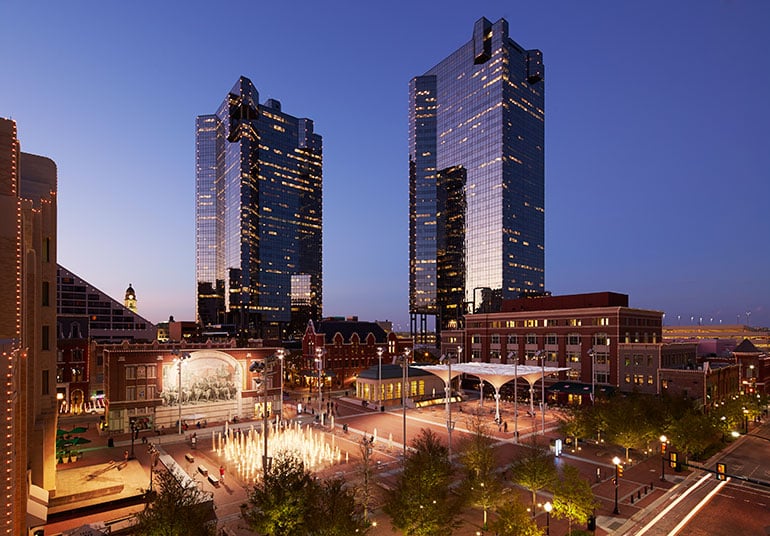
{"x":448,"y":391}
{"x":133,"y":432}
{"x":179,"y":359}
{"x":548,"y":507}
{"x":540,"y":354}
{"x":592,"y":355}
{"x":319,"y":365}
{"x":663,"y":441}
{"x":515,"y":357}
{"x":459,"y":354}
{"x":404,"y":366}
{"x":280,"y":354}
{"x":616,"y":463}
{"x":379,"y":377}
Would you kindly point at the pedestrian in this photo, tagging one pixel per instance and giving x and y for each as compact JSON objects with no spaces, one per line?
{"x":125,"y":456}
{"x":221,"y":473}
{"x":505,"y":427}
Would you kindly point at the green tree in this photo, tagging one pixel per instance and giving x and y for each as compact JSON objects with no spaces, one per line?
{"x":513,"y":519}
{"x":481,"y":485}
{"x":282,"y":503}
{"x":335,"y":512}
{"x":627,"y":425}
{"x":534,"y":470}
{"x":692,"y":434}
{"x":176,"y":511}
{"x":573,"y":498}
{"x":575,"y":424}
{"x":420,"y":504}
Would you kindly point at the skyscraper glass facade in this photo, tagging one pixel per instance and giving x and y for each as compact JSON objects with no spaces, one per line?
{"x":480,"y":110}
{"x":258,"y":214}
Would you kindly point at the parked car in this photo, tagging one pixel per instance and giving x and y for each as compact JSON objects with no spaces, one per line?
{"x":93,"y":407}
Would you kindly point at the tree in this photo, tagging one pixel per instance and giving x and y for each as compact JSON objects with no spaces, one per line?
{"x":481,"y":485}
{"x":292,"y":502}
{"x":366,"y":471}
{"x":420,"y":504}
{"x":513,"y":519}
{"x":176,"y":510}
{"x":534,"y":470}
{"x":573,"y":498}
{"x":334,"y":512}
{"x":281,"y":504}
{"x":575,"y":424}
{"x":627,"y":425}
{"x":693,"y":434}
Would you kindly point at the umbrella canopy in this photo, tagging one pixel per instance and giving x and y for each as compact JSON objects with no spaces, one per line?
{"x":78,"y":430}
{"x":79,"y":440}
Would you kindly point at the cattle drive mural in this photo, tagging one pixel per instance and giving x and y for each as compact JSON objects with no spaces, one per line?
{"x":204,"y":380}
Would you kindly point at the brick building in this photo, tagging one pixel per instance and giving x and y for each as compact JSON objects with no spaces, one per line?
{"x":597,"y":336}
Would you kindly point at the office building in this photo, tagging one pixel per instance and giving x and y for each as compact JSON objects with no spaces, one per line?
{"x":258,"y":217}
{"x":27,"y":340}
{"x":476,"y":179}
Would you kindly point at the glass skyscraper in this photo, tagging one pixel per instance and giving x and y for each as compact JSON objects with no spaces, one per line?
{"x":258,"y":217}
{"x":476,"y":178}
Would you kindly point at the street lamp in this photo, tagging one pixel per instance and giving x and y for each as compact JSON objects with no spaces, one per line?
{"x":593,"y":374}
{"x":548,"y":507}
{"x":260,"y":367}
{"x":379,"y":377}
{"x":178,"y":360}
{"x":319,"y":352}
{"x":663,"y":441}
{"x":448,"y":391}
{"x":541,"y":354}
{"x":280,"y":354}
{"x":515,"y":357}
{"x":404,"y":367}
{"x":459,"y":354}
{"x":616,"y":463}
{"x":133,"y":432}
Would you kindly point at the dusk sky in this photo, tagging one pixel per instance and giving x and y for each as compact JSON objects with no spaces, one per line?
{"x":657,"y":137}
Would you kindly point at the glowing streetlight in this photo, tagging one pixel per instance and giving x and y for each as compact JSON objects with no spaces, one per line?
{"x":616,"y":463}
{"x":548,"y":507}
{"x":379,"y":377}
{"x":178,"y":361}
{"x":663,"y":442}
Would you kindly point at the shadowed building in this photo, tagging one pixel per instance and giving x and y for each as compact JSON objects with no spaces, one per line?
{"x":258,"y":217}
{"x":476,"y":179}
{"x":27,"y":323}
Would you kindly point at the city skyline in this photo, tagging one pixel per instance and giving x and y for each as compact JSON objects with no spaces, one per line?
{"x":655,"y":153}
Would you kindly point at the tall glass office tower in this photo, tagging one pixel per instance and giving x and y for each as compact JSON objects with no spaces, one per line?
{"x":258,"y":217}
{"x":476,"y":160}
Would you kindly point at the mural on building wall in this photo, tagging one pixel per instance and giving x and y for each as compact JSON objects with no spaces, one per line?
{"x":204,"y":380}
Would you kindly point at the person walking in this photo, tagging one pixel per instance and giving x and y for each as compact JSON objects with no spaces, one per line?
{"x":221,"y":473}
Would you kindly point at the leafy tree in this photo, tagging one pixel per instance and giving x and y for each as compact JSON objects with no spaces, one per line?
{"x":534,"y":470}
{"x":292,"y":502}
{"x":575,"y":424}
{"x":513,"y":519}
{"x":366,"y":471}
{"x":335,"y":512}
{"x":573,"y":498}
{"x":481,"y":485}
{"x":693,"y":434}
{"x":627,"y":424}
{"x":176,"y":511}
{"x":282,"y":503}
{"x":420,"y":503}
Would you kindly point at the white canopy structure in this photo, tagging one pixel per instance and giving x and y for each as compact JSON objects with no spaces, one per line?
{"x":497,"y":375}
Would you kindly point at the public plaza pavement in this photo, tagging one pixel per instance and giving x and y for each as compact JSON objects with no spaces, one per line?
{"x":101,"y":475}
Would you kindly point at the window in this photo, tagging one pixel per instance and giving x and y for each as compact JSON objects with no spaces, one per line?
{"x":628,"y":378}
{"x":513,"y":339}
{"x":601,"y":339}
{"x":638,"y":379}
{"x":476,"y":355}
{"x":151,"y":392}
{"x":45,"y":389}
{"x":627,"y":361}
{"x":130,"y":374}
{"x":476,"y":339}
{"x":531,"y":338}
{"x":140,"y":393}
{"x":130,"y":392}
{"x":602,"y":377}
{"x":45,"y":342}
{"x":551,"y":339}
{"x":575,"y":322}
{"x":649,"y":380}
{"x":573,"y":357}
{"x":638,"y":360}
{"x":573,"y":339}
{"x":605,"y":321}
{"x":46,"y":297}
{"x":601,"y":358}
{"x":530,"y":323}
{"x":151,"y":372}
{"x":495,"y":339}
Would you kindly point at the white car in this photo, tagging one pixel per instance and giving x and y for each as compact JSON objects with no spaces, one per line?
{"x":93,"y":408}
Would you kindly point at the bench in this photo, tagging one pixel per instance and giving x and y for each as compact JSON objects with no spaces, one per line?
{"x":213,"y":480}
{"x":202,"y":470}
{"x":189,"y":457}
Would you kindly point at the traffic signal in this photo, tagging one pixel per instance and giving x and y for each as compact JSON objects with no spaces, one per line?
{"x":620,"y":470}
{"x":721,"y":471}
{"x":591,"y":523}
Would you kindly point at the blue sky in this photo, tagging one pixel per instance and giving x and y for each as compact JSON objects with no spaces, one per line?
{"x":657,"y":137}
